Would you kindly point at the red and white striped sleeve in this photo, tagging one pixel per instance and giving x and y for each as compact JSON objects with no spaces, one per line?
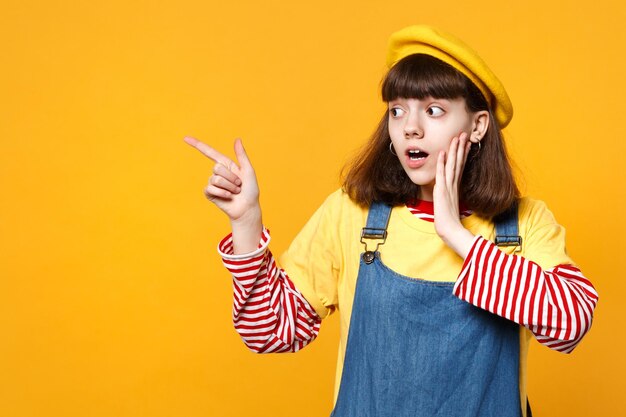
{"x":556,"y":305}
{"x":269,"y":313}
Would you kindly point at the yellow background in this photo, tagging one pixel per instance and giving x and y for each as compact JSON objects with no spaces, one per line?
{"x":113,"y":301}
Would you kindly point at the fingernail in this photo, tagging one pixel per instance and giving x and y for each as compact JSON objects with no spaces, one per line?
{"x":238,"y":181}
{"x":237,"y":189}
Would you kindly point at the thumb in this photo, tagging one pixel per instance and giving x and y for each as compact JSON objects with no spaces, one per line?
{"x":242,"y":156}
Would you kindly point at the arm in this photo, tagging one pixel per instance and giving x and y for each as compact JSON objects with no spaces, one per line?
{"x":555,"y":304}
{"x":269,"y":313}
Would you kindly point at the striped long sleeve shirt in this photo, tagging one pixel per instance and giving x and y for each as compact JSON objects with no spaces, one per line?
{"x":556,"y":304}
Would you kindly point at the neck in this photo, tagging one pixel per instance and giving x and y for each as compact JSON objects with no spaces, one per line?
{"x":426,"y":193}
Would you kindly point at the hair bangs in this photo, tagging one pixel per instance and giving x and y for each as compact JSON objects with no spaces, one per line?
{"x":419,"y":76}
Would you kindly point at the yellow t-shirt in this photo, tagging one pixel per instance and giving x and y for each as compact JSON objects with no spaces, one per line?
{"x":323,"y":260}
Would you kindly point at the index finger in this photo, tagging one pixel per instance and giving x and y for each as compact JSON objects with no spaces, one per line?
{"x":211,"y":153}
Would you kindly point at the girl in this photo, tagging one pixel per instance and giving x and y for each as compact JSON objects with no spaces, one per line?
{"x":435,"y":317}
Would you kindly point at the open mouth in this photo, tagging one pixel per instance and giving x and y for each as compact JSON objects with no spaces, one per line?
{"x":416,"y":154}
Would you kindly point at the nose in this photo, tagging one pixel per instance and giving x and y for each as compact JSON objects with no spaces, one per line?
{"x":412,"y":128}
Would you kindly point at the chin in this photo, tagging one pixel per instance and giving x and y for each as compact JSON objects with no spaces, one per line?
{"x":421,"y":180}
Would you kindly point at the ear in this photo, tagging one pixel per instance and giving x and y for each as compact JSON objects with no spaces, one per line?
{"x":480,"y":123}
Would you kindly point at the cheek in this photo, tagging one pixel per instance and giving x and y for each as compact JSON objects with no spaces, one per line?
{"x":393,"y":127}
{"x":466,"y":126}
{"x":460,"y":121}
{"x":444,"y":143}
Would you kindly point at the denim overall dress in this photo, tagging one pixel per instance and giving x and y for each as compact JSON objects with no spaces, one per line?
{"x":414,"y":349}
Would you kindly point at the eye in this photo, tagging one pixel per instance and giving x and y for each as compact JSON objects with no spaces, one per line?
{"x":396,"y":112}
{"x":435,"y":111}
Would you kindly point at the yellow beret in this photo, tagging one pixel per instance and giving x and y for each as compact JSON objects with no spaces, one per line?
{"x":421,"y":39}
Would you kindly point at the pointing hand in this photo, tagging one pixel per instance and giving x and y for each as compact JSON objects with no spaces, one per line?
{"x":233,"y":187}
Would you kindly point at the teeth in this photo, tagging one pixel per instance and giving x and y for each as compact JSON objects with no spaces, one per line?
{"x":417,"y":154}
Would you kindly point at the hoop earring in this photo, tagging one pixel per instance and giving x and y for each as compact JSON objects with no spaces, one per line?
{"x":477,"y":152}
{"x":392,"y":150}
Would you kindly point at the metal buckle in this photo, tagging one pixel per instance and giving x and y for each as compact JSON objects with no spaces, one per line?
{"x":371,"y":233}
{"x":510,"y":241}
{"x":375,"y":234}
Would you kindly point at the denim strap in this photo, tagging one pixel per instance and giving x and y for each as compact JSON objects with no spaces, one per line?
{"x":507,"y":231}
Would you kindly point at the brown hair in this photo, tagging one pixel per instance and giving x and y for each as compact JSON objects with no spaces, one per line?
{"x":375,"y":174}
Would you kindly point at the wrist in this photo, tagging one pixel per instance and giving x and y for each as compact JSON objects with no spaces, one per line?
{"x":247,"y":231}
{"x":460,"y":240}
{"x":248,"y":219}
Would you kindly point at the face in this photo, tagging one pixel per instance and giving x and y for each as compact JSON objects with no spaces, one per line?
{"x":419,"y":129}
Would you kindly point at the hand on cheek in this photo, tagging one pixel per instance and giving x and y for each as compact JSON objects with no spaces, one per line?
{"x":446,"y":195}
